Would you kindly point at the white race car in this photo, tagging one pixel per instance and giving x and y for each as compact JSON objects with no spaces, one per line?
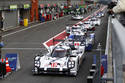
{"x":61,"y":59}
{"x":77,"y":17}
{"x":88,"y":25}
{"x":80,"y":39}
{"x":100,"y":14}
{"x":95,"y":21}
{"x":90,"y":41}
{"x":76,"y":28}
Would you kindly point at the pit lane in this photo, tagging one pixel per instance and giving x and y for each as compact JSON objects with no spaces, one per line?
{"x":33,"y":38}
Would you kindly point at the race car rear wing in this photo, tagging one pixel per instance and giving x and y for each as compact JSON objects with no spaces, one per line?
{"x":58,"y":40}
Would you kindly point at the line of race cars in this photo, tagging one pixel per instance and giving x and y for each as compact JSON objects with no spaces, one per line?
{"x":66,"y":56}
{"x":77,"y":16}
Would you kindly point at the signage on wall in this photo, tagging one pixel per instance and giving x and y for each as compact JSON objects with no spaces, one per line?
{"x":26,"y":6}
{"x":104,"y":62}
{"x":13,"y":7}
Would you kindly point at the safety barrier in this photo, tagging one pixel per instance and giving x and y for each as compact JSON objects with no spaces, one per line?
{"x":118,"y":50}
{"x":108,"y":51}
{"x":97,"y":70}
{"x":115,"y":49}
{"x":92,"y":74}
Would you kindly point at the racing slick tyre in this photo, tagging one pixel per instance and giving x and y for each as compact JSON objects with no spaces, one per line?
{"x":76,"y":72}
{"x":84,"y":58}
{"x":35,"y":71}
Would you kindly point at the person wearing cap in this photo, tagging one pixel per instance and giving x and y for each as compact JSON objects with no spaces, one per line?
{"x":110,"y":6}
{"x":120,"y":10}
{"x":120,"y":7}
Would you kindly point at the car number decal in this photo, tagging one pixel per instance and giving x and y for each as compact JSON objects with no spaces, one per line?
{"x":53,"y":65}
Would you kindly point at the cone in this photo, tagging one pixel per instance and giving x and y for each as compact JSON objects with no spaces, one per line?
{"x":8,"y":69}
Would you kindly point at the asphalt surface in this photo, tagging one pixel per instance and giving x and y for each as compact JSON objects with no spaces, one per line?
{"x":25,"y":43}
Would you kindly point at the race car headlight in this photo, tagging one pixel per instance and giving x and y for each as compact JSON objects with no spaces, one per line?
{"x":71,"y":64}
{"x":37,"y":58}
{"x":37,"y":63}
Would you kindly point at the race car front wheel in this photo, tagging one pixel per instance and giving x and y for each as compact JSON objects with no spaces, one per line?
{"x":35,"y":71}
{"x":74,"y":73}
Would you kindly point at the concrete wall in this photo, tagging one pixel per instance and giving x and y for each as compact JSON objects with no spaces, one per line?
{"x":118,"y":50}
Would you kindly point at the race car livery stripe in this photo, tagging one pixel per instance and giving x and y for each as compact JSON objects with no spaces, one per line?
{"x":53,"y":65}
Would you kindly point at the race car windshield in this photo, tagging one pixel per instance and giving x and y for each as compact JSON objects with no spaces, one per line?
{"x":77,"y":13}
{"x":59,"y":53}
{"x":86,"y":23}
{"x":80,"y":24}
{"x":75,"y":28}
{"x":93,"y":20}
{"x":78,"y":38}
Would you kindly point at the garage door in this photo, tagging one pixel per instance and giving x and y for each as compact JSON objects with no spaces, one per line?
{"x":10,"y":19}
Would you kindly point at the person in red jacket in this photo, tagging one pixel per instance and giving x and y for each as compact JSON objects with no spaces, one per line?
{"x":102,"y":70}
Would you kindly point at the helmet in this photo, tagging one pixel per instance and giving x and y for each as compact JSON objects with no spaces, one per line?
{"x":71,"y":37}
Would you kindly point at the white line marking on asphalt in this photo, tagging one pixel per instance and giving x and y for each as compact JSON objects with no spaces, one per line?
{"x":25,"y":43}
{"x":22,"y":48}
{"x":31,"y":27}
{"x":45,"y":45}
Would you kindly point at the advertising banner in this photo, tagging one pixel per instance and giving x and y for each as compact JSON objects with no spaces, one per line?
{"x":104,"y":62}
{"x":13,"y":60}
